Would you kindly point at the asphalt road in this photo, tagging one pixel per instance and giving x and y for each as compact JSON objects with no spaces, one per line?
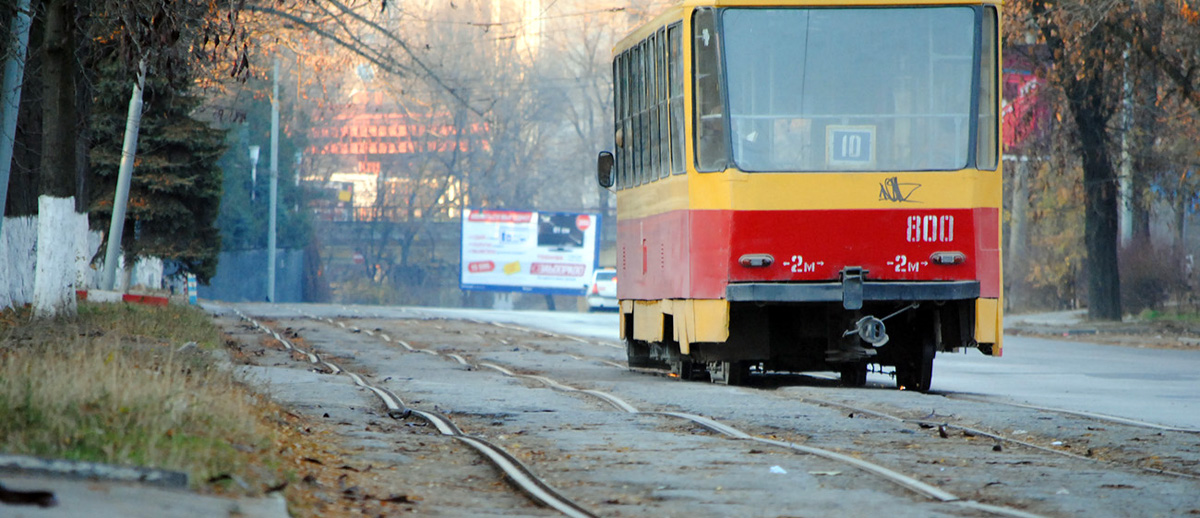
{"x":1143,"y":384}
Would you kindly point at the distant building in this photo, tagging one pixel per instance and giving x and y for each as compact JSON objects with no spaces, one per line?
{"x":372,"y":144}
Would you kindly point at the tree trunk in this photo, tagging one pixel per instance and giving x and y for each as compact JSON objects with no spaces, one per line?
{"x":1147,"y":117}
{"x":1100,"y":201}
{"x":54,"y":286}
{"x":1181,"y":209}
{"x":58,"y":115}
{"x":1082,"y":78}
{"x":54,"y":279}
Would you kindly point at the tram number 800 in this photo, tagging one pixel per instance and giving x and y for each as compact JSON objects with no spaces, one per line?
{"x":930,"y":229}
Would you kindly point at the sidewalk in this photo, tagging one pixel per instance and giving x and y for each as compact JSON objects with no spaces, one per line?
{"x":1131,"y":332}
{"x":102,"y":491}
{"x":110,"y":499}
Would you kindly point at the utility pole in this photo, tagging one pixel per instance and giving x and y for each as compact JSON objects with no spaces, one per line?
{"x":1017,"y":228}
{"x":1125,"y":180}
{"x":116,"y":226}
{"x":274,"y":185}
{"x":10,"y":97}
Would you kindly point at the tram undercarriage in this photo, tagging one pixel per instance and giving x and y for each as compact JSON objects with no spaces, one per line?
{"x":797,"y":337}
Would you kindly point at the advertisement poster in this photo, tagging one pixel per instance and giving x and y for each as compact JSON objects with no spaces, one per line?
{"x":532,"y":252}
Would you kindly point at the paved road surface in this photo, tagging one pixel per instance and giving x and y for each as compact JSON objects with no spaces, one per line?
{"x":1154,"y":385}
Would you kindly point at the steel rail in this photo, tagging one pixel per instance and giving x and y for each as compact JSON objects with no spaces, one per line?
{"x":523,"y":329}
{"x":733,"y":433}
{"x":518,"y":474}
{"x":902,"y":480}
{"x":936,"y":493}
{"x":999,"y":438}
{"x":1090,"y":415}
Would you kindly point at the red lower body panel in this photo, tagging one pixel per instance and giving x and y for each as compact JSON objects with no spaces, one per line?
{"x":696,"y":254}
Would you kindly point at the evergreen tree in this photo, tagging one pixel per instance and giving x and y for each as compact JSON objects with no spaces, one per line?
{"x":243,"y":220}
{"x":175,"y":192}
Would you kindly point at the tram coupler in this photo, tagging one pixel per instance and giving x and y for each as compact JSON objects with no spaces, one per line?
{"x":871,"y":330}
{"x":852,"y":287}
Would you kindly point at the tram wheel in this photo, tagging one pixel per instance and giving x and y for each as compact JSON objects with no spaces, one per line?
{"x":638,"y":353}
{"x":854,"y":374}
{"x":729,"y":372}
{"x":685,"y":369}
{"x":915,"y":370}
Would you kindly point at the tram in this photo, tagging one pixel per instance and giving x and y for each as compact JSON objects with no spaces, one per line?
{"x":808,"y":185}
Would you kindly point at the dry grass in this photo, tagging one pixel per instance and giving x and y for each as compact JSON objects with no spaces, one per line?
{"x":113,"y":385}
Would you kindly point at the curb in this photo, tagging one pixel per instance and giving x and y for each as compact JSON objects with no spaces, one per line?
{"x":116,"y":296}
{"x":92,"y":471}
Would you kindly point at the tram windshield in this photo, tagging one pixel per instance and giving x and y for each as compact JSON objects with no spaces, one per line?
{"x":872,"y":89}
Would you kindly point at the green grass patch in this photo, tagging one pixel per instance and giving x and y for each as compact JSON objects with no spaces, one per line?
{"x":1187,"y":316}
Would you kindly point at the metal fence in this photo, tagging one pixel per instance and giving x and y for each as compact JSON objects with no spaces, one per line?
{"x":242,"y":277}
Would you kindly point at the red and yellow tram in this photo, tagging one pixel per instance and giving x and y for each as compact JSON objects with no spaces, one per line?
{"x":808,"y":185}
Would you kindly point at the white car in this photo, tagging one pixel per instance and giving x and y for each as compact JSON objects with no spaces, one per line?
{"x":602,"y":292}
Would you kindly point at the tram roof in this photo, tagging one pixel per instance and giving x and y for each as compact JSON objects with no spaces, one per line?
{"x":678,"y":10}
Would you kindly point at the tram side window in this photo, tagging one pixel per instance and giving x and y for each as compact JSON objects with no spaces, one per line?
{"x":664,"y":117}
{"x":648,"y":122}
{"x":630,"y":117}
{"x":617,"y":105}
{"x":652,"y":108}
{"x":643,"y":151}
{"x":648,"y":88}
{"x":635,"y":141}
{"x":618,"y":153}
{"x":664,"y":100}
{"x":711,"y":143}
{"x":621,"y":112}
{"x":639,"y":169}
{"x":675,"y":82}
{"x":630,"y":111}
{"x":986,"y":152}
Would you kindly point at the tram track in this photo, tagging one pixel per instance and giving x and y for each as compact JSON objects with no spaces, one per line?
{"x":464,"y":355}
{"x":947,"y":424}
{"x":1089,"y":415}
{"x":518,"y":473}
{"x":975,"y":431}
{"x":909,"y":483}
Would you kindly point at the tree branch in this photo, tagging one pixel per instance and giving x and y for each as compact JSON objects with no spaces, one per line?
{"x":391,"y":66}
{"x":1174,"y":71}
{"x":411,"y":54}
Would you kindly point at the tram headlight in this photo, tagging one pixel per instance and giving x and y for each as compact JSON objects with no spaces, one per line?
{"x":948,"y":258}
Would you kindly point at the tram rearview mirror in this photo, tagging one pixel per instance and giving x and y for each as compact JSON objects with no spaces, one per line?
{"x":604,"y":169}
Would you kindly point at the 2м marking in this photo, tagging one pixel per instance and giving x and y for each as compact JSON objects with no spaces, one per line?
{"x":903,"y":266}
{"x":799,"y":266}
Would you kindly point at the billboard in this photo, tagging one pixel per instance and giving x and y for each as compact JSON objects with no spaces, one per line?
{"x":531,"y":252}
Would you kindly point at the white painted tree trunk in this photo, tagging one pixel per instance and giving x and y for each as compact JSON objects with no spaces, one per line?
{"x":87,"y":275}
{"x":17,"y":259}
{"x":54,"y":278}
{"x":149,"y":274}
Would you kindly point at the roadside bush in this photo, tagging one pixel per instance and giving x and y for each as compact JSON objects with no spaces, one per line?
{"x":1150,"y":275}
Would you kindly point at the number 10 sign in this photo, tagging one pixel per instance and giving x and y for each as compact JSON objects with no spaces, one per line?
{"x":851,"y":146}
